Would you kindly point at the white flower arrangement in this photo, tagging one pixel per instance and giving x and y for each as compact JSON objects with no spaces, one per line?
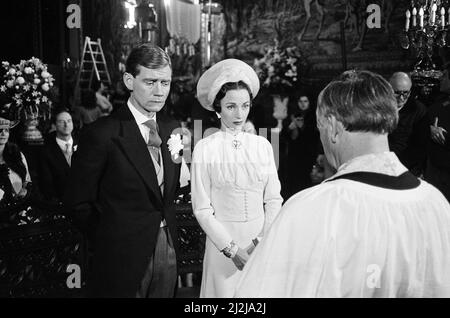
{"x":279,"y":70}
{"x":175,"y":144}
{"x":26,"y":86}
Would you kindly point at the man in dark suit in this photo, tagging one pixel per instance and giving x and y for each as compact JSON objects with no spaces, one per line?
{"x":56,"y":157}
{"x":123,"y":186}
{"x":409,"y":140}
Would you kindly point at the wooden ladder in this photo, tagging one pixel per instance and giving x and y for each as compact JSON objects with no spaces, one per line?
{"x":93,"y":63}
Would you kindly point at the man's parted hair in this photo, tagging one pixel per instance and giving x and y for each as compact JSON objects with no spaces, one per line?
{"x":362,"y":101}
{"x":147,"y":55}
{"x":58,"y":111}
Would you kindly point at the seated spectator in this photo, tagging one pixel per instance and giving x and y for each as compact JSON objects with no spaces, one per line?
{"x":56,"y":158}
{"x":15,"y":179}
{"x":89,"y":111}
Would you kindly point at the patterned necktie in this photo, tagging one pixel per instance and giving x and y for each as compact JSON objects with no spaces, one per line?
{"x":154,"y":141}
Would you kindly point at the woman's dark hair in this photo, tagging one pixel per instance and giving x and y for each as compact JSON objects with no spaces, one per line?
{"x":88,"y":99}
{"x":13,"y":159}
{"x":229,"y":87}
{"x":301,"y":93}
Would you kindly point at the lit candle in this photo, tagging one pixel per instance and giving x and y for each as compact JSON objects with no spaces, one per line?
{"x":433,"y":13}
{"x":408,"y":16}
{"x":414,"y":14}
{"x":442,"y":17}
{"x":421,"y":13}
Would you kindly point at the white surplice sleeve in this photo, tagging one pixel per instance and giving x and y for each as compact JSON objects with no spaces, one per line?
{"x":201,"y":199}
{"x":272,"y":189}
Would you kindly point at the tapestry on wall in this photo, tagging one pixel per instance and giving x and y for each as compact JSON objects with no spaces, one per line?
{"x":318,"y":27}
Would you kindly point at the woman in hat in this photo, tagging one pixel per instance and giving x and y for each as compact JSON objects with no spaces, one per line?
{"x":235,"y":186}
{"x":14,"y":176}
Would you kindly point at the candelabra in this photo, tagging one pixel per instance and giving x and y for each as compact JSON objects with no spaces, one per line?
{"x":427,"y":27}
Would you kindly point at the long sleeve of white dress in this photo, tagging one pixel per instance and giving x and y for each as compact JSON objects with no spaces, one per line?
{"x":201,"y":202}
{"x":272,"y":189}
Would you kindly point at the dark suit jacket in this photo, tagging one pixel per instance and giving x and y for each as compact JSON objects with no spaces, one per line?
{"x":409,"y":140}
{"x":114,"y":194}
{"x":53,"y":169}
{"x":440,"y":154}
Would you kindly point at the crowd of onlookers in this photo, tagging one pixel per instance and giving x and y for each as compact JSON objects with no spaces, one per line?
{"x":47,"y":175}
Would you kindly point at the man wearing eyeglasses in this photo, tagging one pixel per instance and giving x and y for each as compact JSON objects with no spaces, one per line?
{"x":409,"y":140}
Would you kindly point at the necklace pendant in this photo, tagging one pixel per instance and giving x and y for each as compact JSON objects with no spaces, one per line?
{"x":236,"y":144}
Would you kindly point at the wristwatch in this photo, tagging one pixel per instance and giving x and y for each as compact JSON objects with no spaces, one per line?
{"x":230,"y":250}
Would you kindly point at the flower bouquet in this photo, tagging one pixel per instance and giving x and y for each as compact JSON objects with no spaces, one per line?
{"x":25,"y":87}
{"x":279,"y":69}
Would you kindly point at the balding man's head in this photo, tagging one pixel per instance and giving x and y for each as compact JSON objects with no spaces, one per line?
{"x":401,"y":83}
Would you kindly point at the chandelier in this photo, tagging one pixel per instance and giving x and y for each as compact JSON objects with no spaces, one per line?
{"x":427,"y":27}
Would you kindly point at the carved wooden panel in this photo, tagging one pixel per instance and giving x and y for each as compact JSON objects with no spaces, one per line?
{"x":36,"y":246}
{"x":191,"y":239}
{"x":37,"y":243}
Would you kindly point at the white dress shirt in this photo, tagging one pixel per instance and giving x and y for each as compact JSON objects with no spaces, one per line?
{"x":62,"y":143}
{"x":66,"y":145}
{"x":140,"y":120}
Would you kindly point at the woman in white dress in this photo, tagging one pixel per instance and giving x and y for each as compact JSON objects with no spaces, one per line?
{"x":235,"y":186}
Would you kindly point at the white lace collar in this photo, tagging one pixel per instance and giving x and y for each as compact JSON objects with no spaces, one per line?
{"x":384,"y":163}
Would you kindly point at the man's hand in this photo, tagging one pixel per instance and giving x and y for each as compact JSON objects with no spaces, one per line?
{"x":240,"y":259}
{"x":437,"y":133}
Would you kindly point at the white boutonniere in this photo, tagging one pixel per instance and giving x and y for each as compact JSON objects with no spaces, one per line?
{"x":175,"y":144}
{"x":75,"y":148}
